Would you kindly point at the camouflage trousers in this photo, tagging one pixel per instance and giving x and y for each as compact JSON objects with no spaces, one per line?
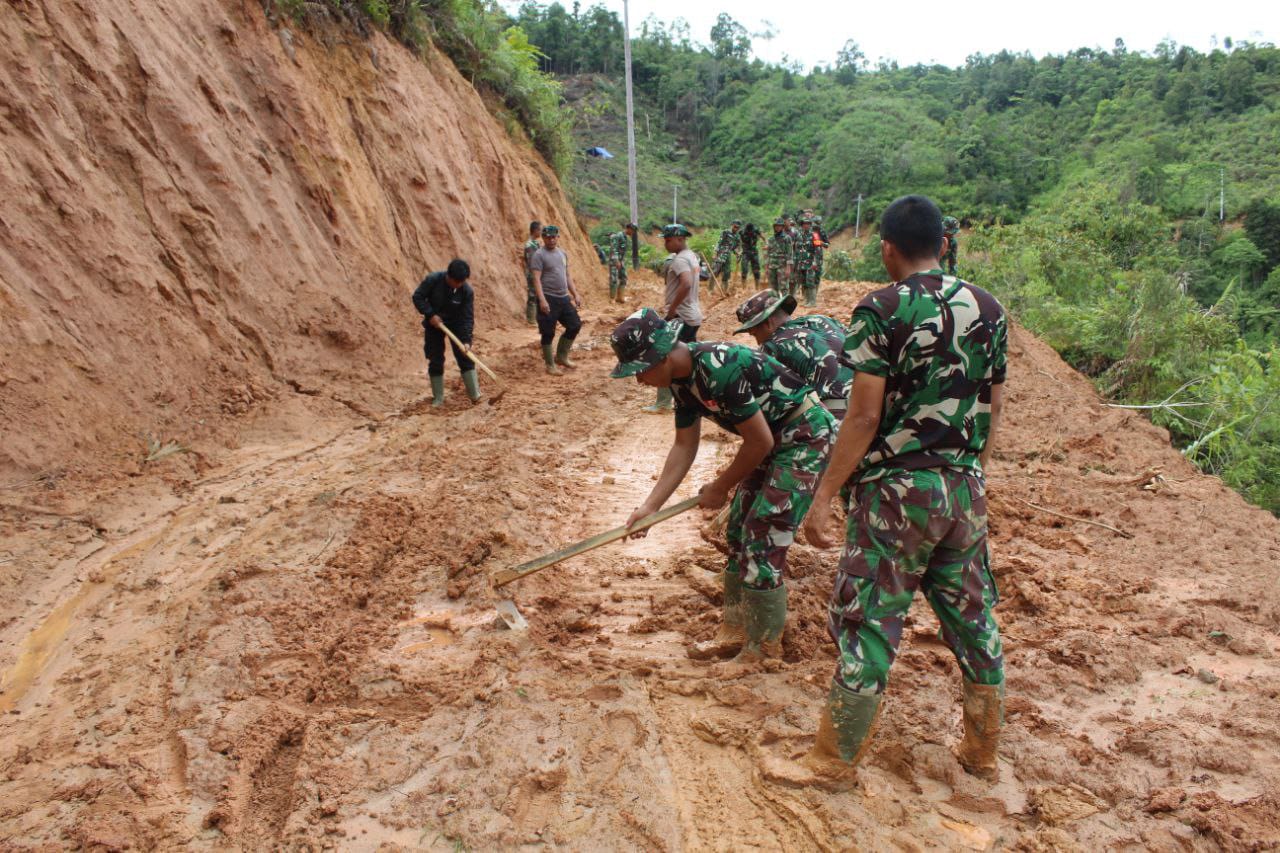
{"x":925,"y":529}
{"x":617,"y":279}
{"x":722,"y":268}
{"x":770,"y":503}
{"x":809,"y":275}
{"x":949,"y":258}
{"x":531,"y":298}
{"x":750,"y":264}
{"x":778,"y":279}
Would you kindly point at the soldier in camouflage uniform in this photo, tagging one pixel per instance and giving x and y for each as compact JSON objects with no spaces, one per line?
{"x":806,"y":257}
{"x":527,"y":252}
{"x":950,"y":230}
{"x":619,"y":249}
{"x":779,"y":256}
{"x":729,"y":243}
{"x":751,"y":252}
{"x":785,"y":435}
{"x":812,"y":345}
{"x":821,"y":257}
{"x":929,"y":353}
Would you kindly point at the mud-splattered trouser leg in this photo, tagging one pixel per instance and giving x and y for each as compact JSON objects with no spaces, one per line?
{"x":617,"y":280}
{"x":771,"y":502}
{"x":751,"y":264}
{"x":722,"y":268}
{"x":925,"y":529}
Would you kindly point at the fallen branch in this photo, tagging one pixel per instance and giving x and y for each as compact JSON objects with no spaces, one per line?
{"x":1114,"y":530}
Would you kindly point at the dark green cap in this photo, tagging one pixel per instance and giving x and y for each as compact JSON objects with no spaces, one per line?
{"x":675,"y":229}
{"x":550,"y":230}
{"x":760,"y":307}
{"x":950,"y":224}
{"x":640,"y":342}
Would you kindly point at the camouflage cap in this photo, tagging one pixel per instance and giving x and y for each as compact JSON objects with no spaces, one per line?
{"x":632,"y":226}
{"x":780,"y":221}
{"x":640,"y":342}
{"x":950,"y":224}
{"x":737,"y":222}
{"x":550,"y":230}
{"x":761,"y":307}
{"x":675,"y":229}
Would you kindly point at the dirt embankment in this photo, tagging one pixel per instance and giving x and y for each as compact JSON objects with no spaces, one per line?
{"x":202,"y":214}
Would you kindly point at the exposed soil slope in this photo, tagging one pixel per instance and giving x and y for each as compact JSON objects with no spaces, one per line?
{"x":299,"y":647}
{"x":202,"y":213}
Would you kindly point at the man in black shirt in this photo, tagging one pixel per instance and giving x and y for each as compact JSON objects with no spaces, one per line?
{"x":445,"y":300}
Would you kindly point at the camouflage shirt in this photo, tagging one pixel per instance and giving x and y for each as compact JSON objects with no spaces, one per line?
{"x":530,"y":247}
{"x":728,"y":242}
{"x":813,"y":347}
{"x":778,"y":251}
{"x":940,"y":343}
{"x":619,"y":247}
{"x":730,"y":383}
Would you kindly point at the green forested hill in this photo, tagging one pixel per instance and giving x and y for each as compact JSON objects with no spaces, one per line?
{"x":1090,"y":184}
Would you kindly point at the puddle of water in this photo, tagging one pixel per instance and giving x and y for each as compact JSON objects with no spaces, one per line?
{"x":437,"y":638}
{"x":40,"y":644}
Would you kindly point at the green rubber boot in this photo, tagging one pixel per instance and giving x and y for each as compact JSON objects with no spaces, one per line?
{"x":562,"y":353}
{"x":729,"y":639}
{"x":811,"y":297}
{"x":764,"y":618}
{"x":550,"y":361}
{"x":662,"y":404}
{"x":472,"y":383}
{"x":622,"y":294}
{"x":845,"y":727}
{"x":983,"y":719}
{"x":531,"y":313}
{"x":437,"y":391}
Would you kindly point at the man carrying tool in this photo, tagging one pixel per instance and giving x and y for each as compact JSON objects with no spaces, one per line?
{"x":619,"y":251}
{"x":527,"y":251}
{"x":445,"y":300}
{"x":778,"y":257}
{"x":929,"y":353}
{"x":812,"y":346}
{"x":785,"y":437}
{"x":680,"y":302}
{"x":558,"y":300}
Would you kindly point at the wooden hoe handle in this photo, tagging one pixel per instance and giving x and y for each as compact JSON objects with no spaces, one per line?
{"x":471,"y":355}
{"x":506,"y":576}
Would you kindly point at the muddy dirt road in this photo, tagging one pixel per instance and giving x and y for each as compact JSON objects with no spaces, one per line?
{"x":295,"y":644}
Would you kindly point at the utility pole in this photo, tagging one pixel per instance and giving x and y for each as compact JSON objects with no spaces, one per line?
{"x":675,"y":203}
{"x":857,"y":223}
{"x":631,"y":136}
{"x":1222,"y":193}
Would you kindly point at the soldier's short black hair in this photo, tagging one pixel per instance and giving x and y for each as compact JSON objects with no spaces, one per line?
{"x":913,"y":223}
{"x":535,"y":227}
{"x":459,"y":270}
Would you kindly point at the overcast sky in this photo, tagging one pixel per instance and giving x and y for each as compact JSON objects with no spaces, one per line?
{"x":930,"y":31}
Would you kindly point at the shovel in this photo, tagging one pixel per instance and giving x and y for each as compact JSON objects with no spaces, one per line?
{"x":502,"y":389}
{"x":506,"y":576}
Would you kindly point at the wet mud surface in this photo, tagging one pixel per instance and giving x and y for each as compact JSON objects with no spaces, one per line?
{"x":297,"y":645}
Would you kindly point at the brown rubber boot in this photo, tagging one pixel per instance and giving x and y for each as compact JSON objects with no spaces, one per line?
{"x":729,"y":639}
{"x":983,"y":718}
{"x":549,"y":361}
{"x":764,"y":614}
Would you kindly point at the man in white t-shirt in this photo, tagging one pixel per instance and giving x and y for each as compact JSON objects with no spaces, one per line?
{"x":680,"y":301}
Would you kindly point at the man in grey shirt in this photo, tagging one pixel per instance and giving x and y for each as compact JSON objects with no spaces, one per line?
{"x":558,"y":299}
{"x":680,"y":301}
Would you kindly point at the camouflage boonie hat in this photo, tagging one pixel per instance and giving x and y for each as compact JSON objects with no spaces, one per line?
{"x":760,"y":307}
{"x":550,"y":230}
{"x":640,"y":342}
{"x":675,"y":229}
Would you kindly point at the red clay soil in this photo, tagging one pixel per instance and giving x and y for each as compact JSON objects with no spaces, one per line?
{"x":286,"y":636}
{"x":203,"y":214}
{"x":299,"y":647}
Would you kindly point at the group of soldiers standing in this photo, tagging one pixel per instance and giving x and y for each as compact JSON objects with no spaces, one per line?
{"x":894,"y":414}
{"x":794,"y":254}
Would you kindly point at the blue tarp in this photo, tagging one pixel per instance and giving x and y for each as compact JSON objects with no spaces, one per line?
{"x":599,"y":152}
